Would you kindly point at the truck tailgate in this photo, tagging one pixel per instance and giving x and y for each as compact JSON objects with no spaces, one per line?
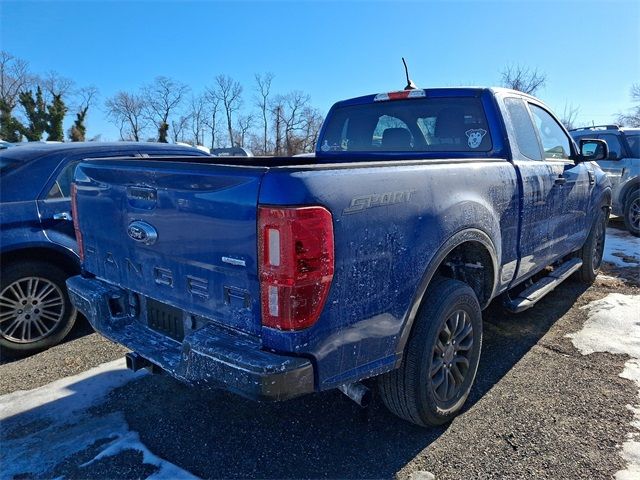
{"x":178,"y":232}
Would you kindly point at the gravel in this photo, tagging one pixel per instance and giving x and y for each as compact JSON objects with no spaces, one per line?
{"x":538,"y":409}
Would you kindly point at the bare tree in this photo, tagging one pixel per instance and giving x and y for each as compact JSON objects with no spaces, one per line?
{"x":244,"y":124}
{"x":632,"y":118}
{"x":229,"y":92}
{"x":277,"y":112}
{"x":212,"y":120}
{"x":14,"y":78}
{"x":263,"y":89}
{"x":85,"y":98}
{"x":55,"y":84}
{"x":162,"y":97}
{"x":312,"y":123}
{"x":293,"y":121}
{"x":179,"y":127}
{"x":569,"y":116}
{"x":126,"y":111}
{"x":198,"y":115}
{"x":523,"y":79}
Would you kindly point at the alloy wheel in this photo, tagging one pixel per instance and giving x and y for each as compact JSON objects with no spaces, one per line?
{"x":30,"y":309}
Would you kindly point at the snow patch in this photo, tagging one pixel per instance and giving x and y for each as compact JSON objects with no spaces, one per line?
{"x":44,"y":427}
{"x":621,"y":248}
{"x":62,"y":397}
{"x":613,"y":325}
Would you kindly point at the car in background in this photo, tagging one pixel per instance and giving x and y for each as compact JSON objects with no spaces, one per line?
{"x":4,"y":144}
{"x":38,"y":249}
{"x":622,"y":167}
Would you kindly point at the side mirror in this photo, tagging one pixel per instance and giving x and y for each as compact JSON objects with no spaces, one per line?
{"x":592,"y":150}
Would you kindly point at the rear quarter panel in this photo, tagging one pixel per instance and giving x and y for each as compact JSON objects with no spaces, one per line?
{"x":383,"y":248}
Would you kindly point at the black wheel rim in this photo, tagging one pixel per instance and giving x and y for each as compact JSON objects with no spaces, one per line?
{"x":451,"y":356}
{"x":598,"y":245}
{"x":634,"y":214}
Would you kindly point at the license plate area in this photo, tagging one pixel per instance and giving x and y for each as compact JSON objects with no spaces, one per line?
{"x":165,"y":319}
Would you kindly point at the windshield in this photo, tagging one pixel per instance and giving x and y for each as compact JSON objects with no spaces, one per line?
{"x":456,"y":124}
{"x":634,"y":145}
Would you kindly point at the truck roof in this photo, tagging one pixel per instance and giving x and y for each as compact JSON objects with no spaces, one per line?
{"x":436,"y":92}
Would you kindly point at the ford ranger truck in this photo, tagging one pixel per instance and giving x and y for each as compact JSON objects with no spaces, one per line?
{"x":279,"y":277}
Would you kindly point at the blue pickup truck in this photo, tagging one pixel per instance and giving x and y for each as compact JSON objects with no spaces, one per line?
{"x":278,"y":277}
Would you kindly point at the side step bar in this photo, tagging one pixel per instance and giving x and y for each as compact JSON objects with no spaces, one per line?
{"x":529,"y":297}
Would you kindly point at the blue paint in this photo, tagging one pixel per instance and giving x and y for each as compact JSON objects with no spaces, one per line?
{"x":384,"y":254}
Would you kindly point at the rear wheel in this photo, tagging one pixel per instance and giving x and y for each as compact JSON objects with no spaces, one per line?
{"x":441,"y":357}
{"x":632,"y":213}
{"x":35,"y":311}
{"x":593,"y":249}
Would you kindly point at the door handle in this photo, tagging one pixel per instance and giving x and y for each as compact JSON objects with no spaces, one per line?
{"x":592,"y":177}
{"x":62,"y":216}
{"x":561,"y":180}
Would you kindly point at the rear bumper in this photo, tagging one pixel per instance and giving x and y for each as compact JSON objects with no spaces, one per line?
{"x":210,"y":356}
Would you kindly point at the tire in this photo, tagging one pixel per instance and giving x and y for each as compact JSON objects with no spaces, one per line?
{"x":632,"y":213}
{"x":592,"y":251}
{"x":409,"y":391}
{"x":26,"y":327}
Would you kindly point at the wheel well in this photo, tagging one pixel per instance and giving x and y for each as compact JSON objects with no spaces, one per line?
{"x":628,"y":190}
{"x":48,"y":255}
{"x":471,"y":263}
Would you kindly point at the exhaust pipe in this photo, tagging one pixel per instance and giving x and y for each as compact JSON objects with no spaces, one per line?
{"x":357,"y":392}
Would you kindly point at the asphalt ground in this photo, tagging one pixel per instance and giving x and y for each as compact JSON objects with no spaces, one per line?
{"x":538,"y":409}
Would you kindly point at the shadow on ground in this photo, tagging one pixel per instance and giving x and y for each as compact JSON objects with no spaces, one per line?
{"x":218,"y":435}
{"x":81,"y":328}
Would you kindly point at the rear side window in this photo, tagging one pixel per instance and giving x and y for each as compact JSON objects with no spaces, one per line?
{"x":61,"y":188}
{"x":525,"y":134}
{"x":456,"y":124}
{"x":554,"y":141}
{"x":634,"y":145}
{"x":613,"y":142}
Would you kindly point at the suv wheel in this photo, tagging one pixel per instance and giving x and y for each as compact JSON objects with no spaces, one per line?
{"x":35,"y":311}
{"x":632,"y":213}
{"x":441,"y":357}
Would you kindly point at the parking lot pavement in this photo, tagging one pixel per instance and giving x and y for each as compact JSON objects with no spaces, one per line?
{"x":540,"y":408}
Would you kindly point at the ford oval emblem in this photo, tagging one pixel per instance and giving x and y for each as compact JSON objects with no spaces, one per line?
{"x":142,"y":232}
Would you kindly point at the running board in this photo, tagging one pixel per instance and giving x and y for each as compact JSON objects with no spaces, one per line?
{"x":529,"y":297}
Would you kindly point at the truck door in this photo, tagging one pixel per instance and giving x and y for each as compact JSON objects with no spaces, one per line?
{"x":571,"y":191}
{"x":537,"y":179}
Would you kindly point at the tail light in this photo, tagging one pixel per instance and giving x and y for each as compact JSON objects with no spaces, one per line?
{"x":76,"y":227}
{"x":296,"y":263}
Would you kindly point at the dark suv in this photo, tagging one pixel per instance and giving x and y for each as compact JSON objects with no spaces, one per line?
{"x":37,"y":240}
{"x":622,"y":167}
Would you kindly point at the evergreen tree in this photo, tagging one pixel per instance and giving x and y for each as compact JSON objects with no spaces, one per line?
{"x":78,"y":132}
{"x":55,"y":118}
{"x":36,"y":113}
{"x":10,"y":127}
{"x":163,"y":131}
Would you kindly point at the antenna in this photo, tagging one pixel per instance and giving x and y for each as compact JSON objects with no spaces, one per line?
{"x":410,"y":84}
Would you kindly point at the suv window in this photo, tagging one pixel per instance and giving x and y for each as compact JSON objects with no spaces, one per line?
{"x":613,"y":142}
{"x":62,"y":186}
{"x":525,"y":134}
{"x":555,"y":142}
{"x":634,"y":145}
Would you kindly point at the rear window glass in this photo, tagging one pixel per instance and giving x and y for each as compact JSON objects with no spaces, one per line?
{"x":416,"y":125}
